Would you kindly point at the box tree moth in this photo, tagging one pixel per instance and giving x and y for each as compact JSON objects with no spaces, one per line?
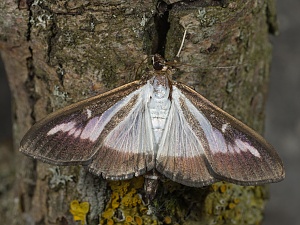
{"x":154,"y":124}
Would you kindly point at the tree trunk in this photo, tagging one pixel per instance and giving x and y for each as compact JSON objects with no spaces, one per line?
{"x":59,"y":52}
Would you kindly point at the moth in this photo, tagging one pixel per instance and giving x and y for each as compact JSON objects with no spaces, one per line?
{"x":154,"y":124}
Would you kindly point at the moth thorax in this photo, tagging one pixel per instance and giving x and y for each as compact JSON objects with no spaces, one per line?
{"x":159,"y":105}
{"x":161,"y":89}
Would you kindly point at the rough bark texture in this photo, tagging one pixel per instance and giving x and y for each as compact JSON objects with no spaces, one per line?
{"x":59,"y":52}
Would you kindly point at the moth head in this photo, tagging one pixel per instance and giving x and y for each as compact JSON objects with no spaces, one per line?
{"x":159,"y":63}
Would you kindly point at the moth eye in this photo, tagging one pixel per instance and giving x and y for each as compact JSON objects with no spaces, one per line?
{"x":158,"y":62}
{"x":158,"y":66}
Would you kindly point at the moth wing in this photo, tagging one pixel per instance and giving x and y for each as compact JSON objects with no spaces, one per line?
{"x":128,"y":148}
{"x":234,"y":151}
{"x":181,"y":155}
{"x":73,"y":134}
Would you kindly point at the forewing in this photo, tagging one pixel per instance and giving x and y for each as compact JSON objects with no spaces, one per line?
{"x":128,"y":148}
{"x":73,"y":134}
{"x":181,"y":154}
{"x":234,"y":151}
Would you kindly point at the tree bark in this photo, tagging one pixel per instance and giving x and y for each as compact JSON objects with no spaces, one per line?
{"x":60,"y":52}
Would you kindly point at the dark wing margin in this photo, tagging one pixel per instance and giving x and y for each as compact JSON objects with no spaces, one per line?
{"x":234,"y":152}
{"x":72,"y":135}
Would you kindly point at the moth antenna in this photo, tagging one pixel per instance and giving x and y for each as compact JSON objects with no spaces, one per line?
{"x":182,"y":42}
{"x":181,"y":46}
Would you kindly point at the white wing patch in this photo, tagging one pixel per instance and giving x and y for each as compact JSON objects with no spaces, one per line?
{"x":95,"y":125}
{"x":237,"y":147}
{"x":178,"y":139}
{"x":181,"y":155}
{"x":75,"y":132}
{"x":242,"y":146}
{"x":224,"y":127}
{"x":64,"y":127}
{"x":88,"y":113}
{"x":215,"y":138}
{"x":134,"y":133}
{"x":128,"y":148}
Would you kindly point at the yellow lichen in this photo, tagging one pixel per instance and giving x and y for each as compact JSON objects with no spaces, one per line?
{"x":108,"y":214}
{"x":167,"y":220}
{"x":154,"y":222}
{"x":129,"y":219}
{"x":79,"y":211}
{"x":115,"y":200}
{"x":143,"y":209}
{"x":223,"y":188}
{"x":138,"y":220}
{"x":126,"y":205}
{"x":136,"y":200}
{"x":115,"y":204}
{"x":115,"y":195}
{"x":131,"y":199}
{"x":110,"y":222}
{"x":231,"y":205}
{"x":236,"y":200}
{"x":214,"y":186}
{"x":119,"y":187}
